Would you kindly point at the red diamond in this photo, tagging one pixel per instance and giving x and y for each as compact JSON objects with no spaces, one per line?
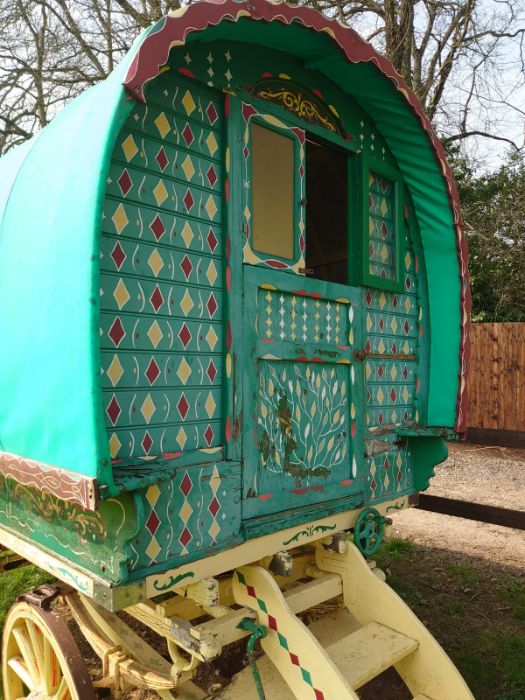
{"x":211,"y":175}
{"x":153,"y":522}
{"x":208,"y":435}
{"x":394,"y":302}
{"x":156,"y":299}
{"x":186,"y":485}
{"x":211,"y":305}
{"x":125,"y":183}
{"x":185,"y":335}
{"x":301,"y":171}
{"x":211,"y":371}
{"x":147,"y":442}
{"x":386,"y":463}
{"x":294,"y":659}
{"x":118,"y":255}
{"x":183,"y":407}
{"x":117,"y":332}
{"x":381,"y":324}
{"x":408,"y":284}
{"x":251,"y":591}
{"x":405,"y":372}
{"x":214,"y":507}
{"x":162,"y":158}
{"x":394,"y":348}
{"x":212,"y":240}
{"x":211,"y":113}
{"x":186,"y":267}
{"x":380,"y":371}
{"x":157,"y":227}
{"x":384,"y":230}
{"x":406,"y":327}
{"x":272,"y":622}
{"x":405,"y":416}
{"x":245,"y":152}
{"x":380,"y":419}
{"x":319,"y":695}
{"x":113,"y":410}
{"x":368,"y":347}
{"x":301,"y":243}
{"x":370,"y":250}
{"x":393,"y":394}
{"x":399,"y":477}
{"x":188,"y":200}
{"x":153,"y":371}
{"x":185,"y":537}
{"x":187,"y":135}
{"x":368,"y":298}
{"x":373,"y":484}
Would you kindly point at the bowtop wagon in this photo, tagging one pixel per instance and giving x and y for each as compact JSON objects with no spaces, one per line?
{"x":234,"y":318}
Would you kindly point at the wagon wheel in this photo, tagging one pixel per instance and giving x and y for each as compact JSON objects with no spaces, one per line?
{"x":40,"y":658}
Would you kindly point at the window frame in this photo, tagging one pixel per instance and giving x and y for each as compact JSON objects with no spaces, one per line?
{"x":367,"y":279}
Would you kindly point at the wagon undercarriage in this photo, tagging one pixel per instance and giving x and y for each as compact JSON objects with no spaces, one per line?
{"x":327,"y":628}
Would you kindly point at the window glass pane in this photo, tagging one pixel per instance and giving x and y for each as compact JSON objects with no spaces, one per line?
{"x":381,"y":227}
{"x":273,"y":201}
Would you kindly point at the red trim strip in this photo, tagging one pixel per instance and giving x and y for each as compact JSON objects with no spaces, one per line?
{"x":62,"y":483}
{"x":154,"y":51}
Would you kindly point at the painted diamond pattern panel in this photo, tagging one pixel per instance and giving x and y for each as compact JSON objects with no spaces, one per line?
{"x":194,"y":510}
{"x":381,"y":230}
{"x":161,"y":279}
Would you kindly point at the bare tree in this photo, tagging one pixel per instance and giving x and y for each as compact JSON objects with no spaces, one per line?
{"x":463,"y":58}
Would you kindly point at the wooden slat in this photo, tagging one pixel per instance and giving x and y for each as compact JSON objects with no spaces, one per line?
{"x":473,"y":511}
{"x":497,"y":376}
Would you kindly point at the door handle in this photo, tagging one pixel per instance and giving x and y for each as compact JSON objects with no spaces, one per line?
{"x":360,"y":355}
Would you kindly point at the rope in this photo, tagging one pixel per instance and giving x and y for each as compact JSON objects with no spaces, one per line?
{"x":257,"y":632}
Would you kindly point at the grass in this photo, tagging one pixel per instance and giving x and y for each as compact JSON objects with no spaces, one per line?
{"x":475,"y":609}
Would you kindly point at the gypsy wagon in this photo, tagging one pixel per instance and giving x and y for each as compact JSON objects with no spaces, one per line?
{"x":234,"y":315}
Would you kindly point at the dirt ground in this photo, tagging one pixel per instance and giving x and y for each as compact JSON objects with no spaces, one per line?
{"x":456,"y":574}
{"x":491,"y":475}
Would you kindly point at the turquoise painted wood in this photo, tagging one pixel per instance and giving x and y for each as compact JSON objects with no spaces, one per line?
{"x":229,"y":392}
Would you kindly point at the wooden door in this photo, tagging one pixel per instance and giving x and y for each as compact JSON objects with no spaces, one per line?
{"x":301,"y":392}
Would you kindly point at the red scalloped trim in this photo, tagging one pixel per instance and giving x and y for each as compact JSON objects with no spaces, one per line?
{"x":154,"y":51}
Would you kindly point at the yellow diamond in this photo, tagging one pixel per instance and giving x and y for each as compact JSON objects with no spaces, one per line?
{"x":382,"y":300}
{"x":211,"y":142}
{"x":380,"y":396}
{"x":408,"y":261}
{"x":184,"y":371}
{"x":155,"y":334}
{"x":115,"y":371}
{"x":406,"y":347}
{"x":187,"y":168}
{"x":214,"y":530}
{"x":148,"y":408}
{"x":130,"y":148}
{"x":211,"y":207}
{"x":408,"y":305}
{"x":211,"y":338}
{"x":381,"y":346}
{"x":384,"y":207}
{"x":152,"y":495}
{"x":406,"y":395}
{"x":394,"y":416}
{"x":162,"y":124}
{"x":153,"y":549}
{"x":393,"y":325}
{"x":160,"y":193}
{"x":185,"y":512}
{"x":114,"y":446}
{"x":368,"y":323}
{"x":247,"y":213}
{"x":186,"y":303}
{"x":188,"y":103}
{"x":384,"y":253}
{"x":393,"y":373}
{"x":121,"y":294}
{"x":155,"y":262}
{"x":210,"y":405}
{"x":368,"y":371}
{"x":181,"y":438}
{"x":119,"y":218}
{"x":187,"y":234}
{"x":211,"y":273}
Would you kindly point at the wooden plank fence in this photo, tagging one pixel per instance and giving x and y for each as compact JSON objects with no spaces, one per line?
{"x":496,"y":385}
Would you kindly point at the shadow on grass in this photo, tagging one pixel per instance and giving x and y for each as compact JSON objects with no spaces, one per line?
{"x":475,"y":609}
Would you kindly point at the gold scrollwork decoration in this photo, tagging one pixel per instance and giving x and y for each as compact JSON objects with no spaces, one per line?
{"x":301,"y":102}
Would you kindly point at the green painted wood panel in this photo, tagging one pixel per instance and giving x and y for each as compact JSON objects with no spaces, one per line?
{"x":162,"y":279}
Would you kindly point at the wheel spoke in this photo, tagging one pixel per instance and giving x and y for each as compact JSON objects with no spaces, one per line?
{"x":49,"y":675}
{"x":17,"y":665}
{"x":63,"y":691}
{"x":37,"y":644}
{"x":26,"y":649}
